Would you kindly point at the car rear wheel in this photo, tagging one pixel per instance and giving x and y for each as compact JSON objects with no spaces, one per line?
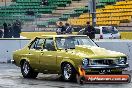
{"x":68,"y":72}
{"x":27,"y":71}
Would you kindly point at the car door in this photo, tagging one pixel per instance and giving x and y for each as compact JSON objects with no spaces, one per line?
{"x":106,"y":33}
{"x":48,"y":56}
{"x":34,"y":53}
{"x":115,"y":33}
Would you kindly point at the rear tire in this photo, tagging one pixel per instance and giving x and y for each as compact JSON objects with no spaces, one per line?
{"x":68,"y":72}
{"x":27,"y":71}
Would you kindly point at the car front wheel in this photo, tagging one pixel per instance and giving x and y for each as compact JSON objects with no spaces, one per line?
{"x":68,"y":72}
{"x":27,"y":71}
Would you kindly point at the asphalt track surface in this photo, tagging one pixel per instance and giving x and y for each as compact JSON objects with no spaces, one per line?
{"x":10,"y":77}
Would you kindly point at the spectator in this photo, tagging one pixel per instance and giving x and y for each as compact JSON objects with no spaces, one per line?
{"x":68,"y":28}
{"x":1,"y":33}
{"x":89,"y":31}
{"x":30,"y":12}
{"x":61,"y":29}
{"x":16,"y":29}
{"x":10,"y":30}
{"x":44,"y":2}
{"x":6,"y":30}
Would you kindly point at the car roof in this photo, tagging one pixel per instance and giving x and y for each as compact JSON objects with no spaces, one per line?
{"x":60,"y":36}
{"x":98,"y":27}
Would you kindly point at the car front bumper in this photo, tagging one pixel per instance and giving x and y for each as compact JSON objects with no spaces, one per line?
{"x":104,"y":69}
{"x":105,"y":66}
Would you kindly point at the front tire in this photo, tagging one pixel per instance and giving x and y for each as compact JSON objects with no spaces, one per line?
{"x":27,"y":71}
{"x":68,"y":72}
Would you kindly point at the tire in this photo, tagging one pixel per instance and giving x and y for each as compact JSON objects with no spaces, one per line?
{"x":68,"y":72}
{"x":27,"y":71}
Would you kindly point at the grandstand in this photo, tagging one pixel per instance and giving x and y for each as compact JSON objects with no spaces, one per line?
{"x":17,"y":9}
{"x":109,"y":12}
{"x":112,"y":12}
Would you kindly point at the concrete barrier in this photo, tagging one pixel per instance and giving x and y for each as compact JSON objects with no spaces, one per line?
{"x":7,"y":46}
{"x":124,"y":35}
{"x":34,"y":34}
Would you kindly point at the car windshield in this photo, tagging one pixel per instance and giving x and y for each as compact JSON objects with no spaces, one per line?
{"x":107,"y":30}
{"x":71,"y":41}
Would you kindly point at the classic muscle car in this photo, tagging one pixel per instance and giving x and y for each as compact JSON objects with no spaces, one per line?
{"x":65,"y":55}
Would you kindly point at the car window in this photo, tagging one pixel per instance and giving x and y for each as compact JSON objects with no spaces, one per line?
{"x":49,"y":44}
{"x":37,"y":44}
{"x":97,"y":31}
{"x":114,"y":30}
{"x":110,"y":29}
{"x":105,"y":30}
{"x":71,"y":41}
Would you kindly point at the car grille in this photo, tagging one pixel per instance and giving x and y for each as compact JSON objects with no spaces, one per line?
{"x":102,"y":62}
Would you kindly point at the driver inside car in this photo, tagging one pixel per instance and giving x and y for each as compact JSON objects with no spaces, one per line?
{"x":69,"y":43}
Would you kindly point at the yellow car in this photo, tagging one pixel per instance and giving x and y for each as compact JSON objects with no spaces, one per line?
{"x":64,"y":54}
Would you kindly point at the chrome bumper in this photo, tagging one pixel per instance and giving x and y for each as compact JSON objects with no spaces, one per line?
{"x":105,"y":66}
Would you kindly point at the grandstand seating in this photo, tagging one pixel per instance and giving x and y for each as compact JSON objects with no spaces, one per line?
{"x":109,"y":12}
{"x":17,"y":9}
{"x":114,"y":14}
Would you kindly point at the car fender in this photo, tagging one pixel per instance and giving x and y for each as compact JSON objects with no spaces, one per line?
{"x":24,"y":58}
{"x":67,"y":61}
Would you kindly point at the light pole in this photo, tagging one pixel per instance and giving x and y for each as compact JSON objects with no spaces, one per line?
{"x":94,"y":13}
{"x":5,"y":11}
{"x":92,"y":9}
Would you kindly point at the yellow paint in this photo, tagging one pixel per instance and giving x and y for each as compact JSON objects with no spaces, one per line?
{"x":34,"y":34}
{"x":124,"y":35}
{"x":31,"y":35}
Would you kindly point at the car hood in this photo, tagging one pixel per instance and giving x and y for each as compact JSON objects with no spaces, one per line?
{"x":95,"y":52}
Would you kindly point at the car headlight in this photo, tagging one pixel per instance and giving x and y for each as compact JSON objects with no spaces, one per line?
{"x":85,"y":62}
{"x":121,"y":60}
